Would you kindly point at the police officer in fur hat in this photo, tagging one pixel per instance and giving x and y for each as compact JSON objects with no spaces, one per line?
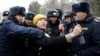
{"x":5,"y":15}
{"x":13,"y":34}
{"x":88,"y":42}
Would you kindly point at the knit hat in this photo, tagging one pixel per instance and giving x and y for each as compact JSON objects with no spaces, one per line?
{"x":37,"y":17}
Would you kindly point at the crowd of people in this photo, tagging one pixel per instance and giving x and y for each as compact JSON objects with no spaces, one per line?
{"x":75,"y":33}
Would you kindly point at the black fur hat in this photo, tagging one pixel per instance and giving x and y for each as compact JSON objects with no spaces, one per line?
{"x":82,"y":6}
{"x":75,"y":7}
{"x":17,"y":10}
{"x":29,"y":16}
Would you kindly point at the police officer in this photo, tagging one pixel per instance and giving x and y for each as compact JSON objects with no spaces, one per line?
{"x":88,"y":42}
{"x":53,"y":23}
{"x":29,"y":20}
{"x":13,"y":34}
{"x":68,"y":18}
{"x":5,"y":15}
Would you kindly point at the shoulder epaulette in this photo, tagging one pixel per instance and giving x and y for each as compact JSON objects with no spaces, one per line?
{"x":97,"y":19}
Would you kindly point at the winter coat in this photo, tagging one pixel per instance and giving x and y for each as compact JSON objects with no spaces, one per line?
{"x":88,"y":42}
{"x":13,"y":36}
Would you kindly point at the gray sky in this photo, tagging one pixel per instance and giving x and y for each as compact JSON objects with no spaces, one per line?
{"x":6,"y":4}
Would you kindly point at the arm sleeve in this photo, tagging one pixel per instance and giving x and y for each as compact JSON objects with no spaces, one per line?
{"x":13,"y":30}
{"x":52,"y":42}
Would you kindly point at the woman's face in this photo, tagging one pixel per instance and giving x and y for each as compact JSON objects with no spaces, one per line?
{"x":41,"y":24}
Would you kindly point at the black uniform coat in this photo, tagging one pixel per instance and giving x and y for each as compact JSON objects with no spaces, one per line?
{"x":13,"y":35}
{"x":88,"y":43}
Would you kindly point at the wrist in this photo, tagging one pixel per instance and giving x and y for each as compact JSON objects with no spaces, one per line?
{"x":72,"y":35}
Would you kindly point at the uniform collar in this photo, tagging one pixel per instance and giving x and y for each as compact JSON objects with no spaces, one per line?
{"x":13,"y":19}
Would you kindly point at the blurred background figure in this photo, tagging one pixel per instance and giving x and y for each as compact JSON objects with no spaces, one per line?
{"x":5,"y":15}
{"x":29,"y":20}
{"x":68,"y":20}
{"x":60,"y":12}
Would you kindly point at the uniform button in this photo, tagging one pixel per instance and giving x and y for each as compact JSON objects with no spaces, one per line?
{"x":75,"y":54}
{"x":82,"y":33}
{"x":27,"y":39}
{"x":40,"y":48}
{"x":98,"y":52}
{"x":68,"y":50}
{"x":38,"y":53}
